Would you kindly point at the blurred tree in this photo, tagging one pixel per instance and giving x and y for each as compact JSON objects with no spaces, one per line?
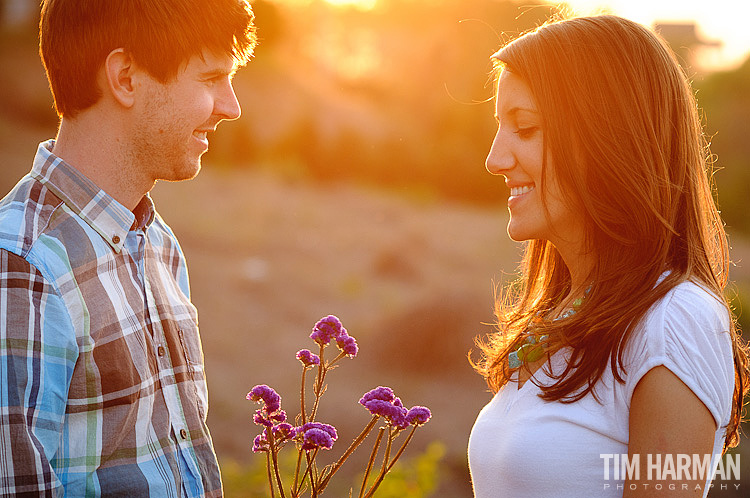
{"x":725,"y":99}
{"x":269,"y":24}
{"x":386,"y":96}
{"x":25,"y":98}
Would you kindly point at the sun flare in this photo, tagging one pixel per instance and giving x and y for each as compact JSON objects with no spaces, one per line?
{"x":360,"y":4}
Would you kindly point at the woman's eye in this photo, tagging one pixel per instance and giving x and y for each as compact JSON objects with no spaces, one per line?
{"x":527,"y":132}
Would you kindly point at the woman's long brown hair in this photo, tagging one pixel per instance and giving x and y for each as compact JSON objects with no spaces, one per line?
{"x":621,"y":122}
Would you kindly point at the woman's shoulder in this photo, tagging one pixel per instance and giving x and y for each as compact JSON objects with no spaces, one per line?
{"x":687,"y":331}
{"x":690,"y":304}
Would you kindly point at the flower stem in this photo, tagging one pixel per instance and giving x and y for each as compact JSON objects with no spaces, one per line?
{"x":274,"y":457}
{"x":295,"y":488}
{"x":319,"y":379}
{"x":268,"y":468}
{"x":313,"y":476}
{"x":357,"y":441}
{"x":401,"y":450}
{"x":336,"y":360}
{"x":302,"y":396}
{"x":304,"y":476}
{"x":384,"y":468}
{"x":374,"y":453}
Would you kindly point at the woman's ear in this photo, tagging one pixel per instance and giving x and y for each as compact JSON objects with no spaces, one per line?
{"x":119,"y":70}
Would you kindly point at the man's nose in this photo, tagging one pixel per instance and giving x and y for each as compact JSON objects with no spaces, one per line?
{"x":227,"y":106}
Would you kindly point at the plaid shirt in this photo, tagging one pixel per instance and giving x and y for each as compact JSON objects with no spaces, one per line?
{"x":102,"y":387}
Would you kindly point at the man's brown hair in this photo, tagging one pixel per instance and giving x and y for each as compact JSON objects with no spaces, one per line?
{"x":76,"y":36}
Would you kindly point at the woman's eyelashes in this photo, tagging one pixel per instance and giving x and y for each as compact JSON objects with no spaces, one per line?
{"x":525,"y":132}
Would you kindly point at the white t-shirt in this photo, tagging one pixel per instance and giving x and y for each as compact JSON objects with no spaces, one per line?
{"x":522,"y":446}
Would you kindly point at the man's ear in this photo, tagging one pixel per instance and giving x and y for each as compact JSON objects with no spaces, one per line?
{"x":119,"y":70}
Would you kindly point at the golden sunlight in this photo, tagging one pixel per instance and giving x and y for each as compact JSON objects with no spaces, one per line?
{"x":360,"y":4}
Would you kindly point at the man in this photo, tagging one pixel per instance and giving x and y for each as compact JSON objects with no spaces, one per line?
{"x":102,"y":387}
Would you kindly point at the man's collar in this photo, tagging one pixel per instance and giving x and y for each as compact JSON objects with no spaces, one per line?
{"x":98,"y":209}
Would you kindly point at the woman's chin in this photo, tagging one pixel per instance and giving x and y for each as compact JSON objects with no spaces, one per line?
{"x":517,"y":233}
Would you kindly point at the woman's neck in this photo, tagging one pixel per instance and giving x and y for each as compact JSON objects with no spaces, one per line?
{"x":580,"y":264}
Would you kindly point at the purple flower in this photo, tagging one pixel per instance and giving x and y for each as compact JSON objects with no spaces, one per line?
{"x":308,"y":358}
{"x":260,"y":418}
{"x":260,"y":444}
{"x":382,"y":408}
{"x":317,"y":438}
{"x":278,"y":417}
{"x":382,"y":393}
{"x":284,"y":431}
{"x":270,"y":398}
{"x":281,"y":433}
{"x":326,"y":329}
{"x":347,"y":344}
{"x":329,"y":429}
{"x":418,"y":415}
{"x":382,"y":402}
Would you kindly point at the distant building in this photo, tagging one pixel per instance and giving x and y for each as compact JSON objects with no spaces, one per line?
{"x":685,"y":40}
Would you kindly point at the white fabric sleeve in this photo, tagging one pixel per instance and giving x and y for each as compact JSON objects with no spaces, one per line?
{"x":687,"y":331}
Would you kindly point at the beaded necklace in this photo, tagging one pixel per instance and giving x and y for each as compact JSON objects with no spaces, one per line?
{"x":533,"y":348}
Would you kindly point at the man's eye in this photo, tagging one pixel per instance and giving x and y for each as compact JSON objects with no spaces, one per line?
{"x":214,"y":80}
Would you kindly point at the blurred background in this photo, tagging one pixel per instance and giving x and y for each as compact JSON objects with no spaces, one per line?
{"x":354,"y":184}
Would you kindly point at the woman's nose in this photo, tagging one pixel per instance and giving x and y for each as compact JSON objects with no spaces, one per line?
{"x":500,"y":157}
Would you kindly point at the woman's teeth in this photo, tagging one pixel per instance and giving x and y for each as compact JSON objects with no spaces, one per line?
{"x":516,"y":191}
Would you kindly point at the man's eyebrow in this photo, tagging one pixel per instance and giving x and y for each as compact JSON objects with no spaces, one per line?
{"x":215,"y":73}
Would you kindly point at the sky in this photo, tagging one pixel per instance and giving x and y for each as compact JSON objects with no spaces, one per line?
{"x":718,"y":20}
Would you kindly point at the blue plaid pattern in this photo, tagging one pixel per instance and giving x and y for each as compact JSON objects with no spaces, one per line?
{"x":102,"y":386}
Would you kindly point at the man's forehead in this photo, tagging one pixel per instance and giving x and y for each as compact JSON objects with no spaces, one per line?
{"x":208,"y":61}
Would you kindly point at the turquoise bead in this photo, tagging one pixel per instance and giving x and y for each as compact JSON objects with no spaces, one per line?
{"x":513,"y":361}
{"x":532,"y":349}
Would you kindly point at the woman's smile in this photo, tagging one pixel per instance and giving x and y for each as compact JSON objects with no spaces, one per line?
{"x":518,"y":193}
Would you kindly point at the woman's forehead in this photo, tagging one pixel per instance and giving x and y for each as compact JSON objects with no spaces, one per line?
{"x":513,"y":94}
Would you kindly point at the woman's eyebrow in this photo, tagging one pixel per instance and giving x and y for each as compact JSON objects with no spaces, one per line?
{"x":517,"y":109}
{"x":513,"y":111}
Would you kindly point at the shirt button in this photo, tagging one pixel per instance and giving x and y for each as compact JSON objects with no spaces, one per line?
{"x":116,"y":239}
{"x":183,"y":433}
{"x":160,"y":350}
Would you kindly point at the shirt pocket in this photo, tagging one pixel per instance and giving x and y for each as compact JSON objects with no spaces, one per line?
{"x":192,"y":353}
{"x":191,"y":345}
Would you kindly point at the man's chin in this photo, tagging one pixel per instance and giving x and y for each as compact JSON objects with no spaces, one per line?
{"x":188,"y":172}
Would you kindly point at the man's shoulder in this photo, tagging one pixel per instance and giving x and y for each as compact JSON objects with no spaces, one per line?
{"x":25,"y":213}
{"x":36,"y":226}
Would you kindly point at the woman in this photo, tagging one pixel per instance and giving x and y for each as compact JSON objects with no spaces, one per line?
{"x":616,"y":347}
